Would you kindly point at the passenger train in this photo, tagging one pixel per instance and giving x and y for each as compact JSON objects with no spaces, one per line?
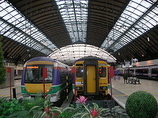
{"x":91,"y":77}
{"x":145,"y":69}
{"x":47,"y":76}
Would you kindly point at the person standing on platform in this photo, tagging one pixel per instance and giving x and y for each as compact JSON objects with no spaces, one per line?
{"x":125,"y":77}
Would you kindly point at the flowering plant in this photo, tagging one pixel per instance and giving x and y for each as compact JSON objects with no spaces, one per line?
{"x":81,"y":100}
{"x":89,"y":111}
{"x":78,"y":110}
{"x":92,"y":111}
{"x":46,"y":110}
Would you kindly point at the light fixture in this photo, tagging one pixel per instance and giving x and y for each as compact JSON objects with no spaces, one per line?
{"x":148,"y":39}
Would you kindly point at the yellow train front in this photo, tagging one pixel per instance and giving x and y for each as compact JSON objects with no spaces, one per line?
{"x":91,"y":77}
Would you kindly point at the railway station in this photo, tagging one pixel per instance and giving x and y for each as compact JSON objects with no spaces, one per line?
{"x":95,"y":50}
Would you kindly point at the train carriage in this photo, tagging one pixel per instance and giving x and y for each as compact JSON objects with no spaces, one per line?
{"x":91,"y":77}
{"x":145,"y":69}
{"x":47,"y":76}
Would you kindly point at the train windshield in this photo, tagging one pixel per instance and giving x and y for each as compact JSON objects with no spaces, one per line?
{"x":79,"y":70}
{"x":34,"y":74}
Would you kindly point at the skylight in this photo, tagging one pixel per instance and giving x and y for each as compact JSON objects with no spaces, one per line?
{"x":15,"y":26}
{"x":74,"y":14}
{"x":134,"y":21}
{"x":70,"y":53}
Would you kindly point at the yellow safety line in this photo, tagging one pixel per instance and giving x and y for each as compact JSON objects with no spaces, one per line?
{"x":154,"y":93}
{"x":128,"y":95}
{"x":4,"y":95}
{"x":120,"y":95}
{"x":8,"y":95}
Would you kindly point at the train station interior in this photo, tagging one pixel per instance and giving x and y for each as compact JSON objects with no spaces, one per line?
{"x":122,"y":32}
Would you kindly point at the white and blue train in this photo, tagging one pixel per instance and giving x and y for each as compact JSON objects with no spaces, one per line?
{"x":145,"y":69}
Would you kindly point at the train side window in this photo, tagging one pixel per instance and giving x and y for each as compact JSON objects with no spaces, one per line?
{"x":102,"y":72}
{"x":79,"y":71}
{"x":154,"y":71}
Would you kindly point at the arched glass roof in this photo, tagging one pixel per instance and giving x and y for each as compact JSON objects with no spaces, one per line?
{"x":138,"y":17}
{"x":15,"y":26}
{"x":70,"y":53}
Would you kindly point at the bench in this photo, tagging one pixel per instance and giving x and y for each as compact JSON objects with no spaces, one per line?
{"x":133,"y":80}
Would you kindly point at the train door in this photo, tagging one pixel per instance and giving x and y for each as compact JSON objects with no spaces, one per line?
{"x":91,"y":77}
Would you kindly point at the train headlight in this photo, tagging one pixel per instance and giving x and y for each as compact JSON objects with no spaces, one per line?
{"x":24,"y":90}
{"x":103,"y":88}
{"x":78,"y":88}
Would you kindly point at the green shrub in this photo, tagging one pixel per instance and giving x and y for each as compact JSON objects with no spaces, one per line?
{"x":2,"y":67}
{"x":141,"y":104}
{"x":13,"y":108}
{"x":8,"y":107}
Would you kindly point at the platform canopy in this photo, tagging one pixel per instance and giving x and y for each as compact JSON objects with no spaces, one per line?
{"x":70,"y":53}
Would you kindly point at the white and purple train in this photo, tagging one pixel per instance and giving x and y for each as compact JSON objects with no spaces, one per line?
{"x":145,"y":69}
{"x":47,"y":76}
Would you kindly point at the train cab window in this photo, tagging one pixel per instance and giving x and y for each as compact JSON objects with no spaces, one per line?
{"x":79,"y":71}
{"x":35,"y":73}
{"x":32,"y":72}
{"x":102,"y":71}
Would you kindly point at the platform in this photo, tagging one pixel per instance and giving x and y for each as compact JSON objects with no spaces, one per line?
{"x":6,"y":92}
{"x":121,"y":91}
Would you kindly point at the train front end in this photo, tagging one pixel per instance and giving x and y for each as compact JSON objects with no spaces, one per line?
{"x":91,"y":78}
{"x":38,"y":79}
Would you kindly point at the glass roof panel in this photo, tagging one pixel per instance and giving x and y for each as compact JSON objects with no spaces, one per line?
{"x":73,"y":52}
{"x":132,"y":21}
{"x":23,"y":27}
{"x":74,"y":14}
